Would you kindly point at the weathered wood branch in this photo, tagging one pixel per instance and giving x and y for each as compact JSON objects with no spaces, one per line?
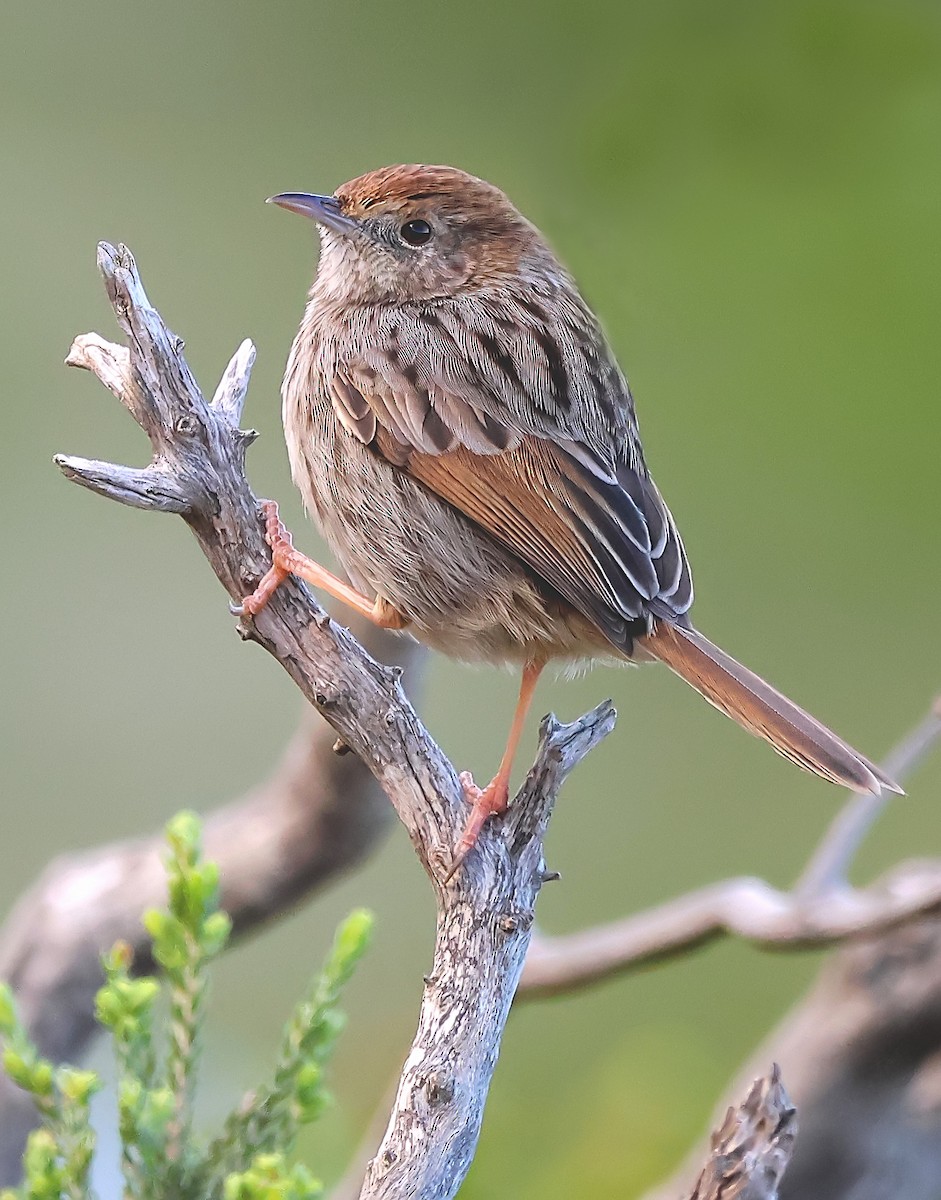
{"x":861,"y":1049}
{"x":485,"y":912}
{"x":479,"y":955}
{"x":745,"y":1159}
{"x":747,"y":908}
{"x":821,"y":909}
{"x":751,"y":1149}
{"x":864,"y":1046}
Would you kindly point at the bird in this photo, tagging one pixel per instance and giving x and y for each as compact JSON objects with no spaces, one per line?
{"x":462,"y":434}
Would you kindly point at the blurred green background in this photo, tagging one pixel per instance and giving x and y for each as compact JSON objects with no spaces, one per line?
{"x":750,"y":194}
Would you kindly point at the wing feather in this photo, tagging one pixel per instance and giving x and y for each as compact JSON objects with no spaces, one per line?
{"x":528,"y":429}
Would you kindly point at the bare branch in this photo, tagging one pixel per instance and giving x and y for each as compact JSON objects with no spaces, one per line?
{"x":822,"y":908}
{"x":752,"y":1147}
{"x":112,"y":365}
{"x":485,"y":912}
{"x":745,"y":908}
{"x":146,"y":487}
{"x":483,"y":933}
{"x":229,"y":397}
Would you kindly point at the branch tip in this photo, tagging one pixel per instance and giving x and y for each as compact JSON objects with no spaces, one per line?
{"x":752,"y":1147}
{"x":148,"y":488}
{"x":229,"y":397}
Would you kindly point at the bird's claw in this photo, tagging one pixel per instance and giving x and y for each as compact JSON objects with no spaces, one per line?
{"x":485,"y":803}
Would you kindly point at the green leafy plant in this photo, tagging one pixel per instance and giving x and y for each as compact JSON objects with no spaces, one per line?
{"x":157,"y":1060}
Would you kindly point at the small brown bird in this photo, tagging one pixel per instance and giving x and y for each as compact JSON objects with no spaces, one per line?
{"x":461,"y":432}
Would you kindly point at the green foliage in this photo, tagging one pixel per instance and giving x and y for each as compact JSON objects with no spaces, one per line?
{"x":157,"y":1065}
{"x":58,"y":1156}
{"x":269,"y":1179}
{"x":296,"y":1094}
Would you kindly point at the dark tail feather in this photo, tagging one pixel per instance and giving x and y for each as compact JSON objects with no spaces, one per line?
{"x":762,"y":710}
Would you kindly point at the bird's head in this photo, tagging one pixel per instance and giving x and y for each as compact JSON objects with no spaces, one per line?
{"x":412,"y":233}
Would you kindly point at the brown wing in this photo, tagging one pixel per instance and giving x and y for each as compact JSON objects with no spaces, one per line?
{"x":535,"y":441}
{"x":589,"y":541}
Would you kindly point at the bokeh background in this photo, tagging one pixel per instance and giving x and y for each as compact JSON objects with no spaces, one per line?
{"x":751,"y":196}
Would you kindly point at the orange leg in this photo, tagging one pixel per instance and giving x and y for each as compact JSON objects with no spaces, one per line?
{"x":285,"y":561}
{"x":495,"y":797}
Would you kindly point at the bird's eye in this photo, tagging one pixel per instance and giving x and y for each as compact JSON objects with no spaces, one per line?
{"x":415,"y":233}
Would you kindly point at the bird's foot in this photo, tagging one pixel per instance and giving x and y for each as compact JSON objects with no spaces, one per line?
{"x":485,"y":803}
{"x":286,"y":561}
{"x":282,"y":546}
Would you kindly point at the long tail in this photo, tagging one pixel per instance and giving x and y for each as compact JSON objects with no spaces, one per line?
{"x":762,"y":710}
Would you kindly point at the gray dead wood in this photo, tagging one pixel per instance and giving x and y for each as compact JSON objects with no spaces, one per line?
{"x":745,"y":1160}
{"x":822,"y":909}
{"x":865,"y":1049}
{"x":750,"y":1150}
{"x":479,"y":955}
{"x":485,"y":913}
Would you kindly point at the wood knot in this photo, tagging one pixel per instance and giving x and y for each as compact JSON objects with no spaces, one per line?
{"x":510,"y":922}
{"x":186,"y":425}
{"x":326,"y":697}
{"x":439,"y":1089}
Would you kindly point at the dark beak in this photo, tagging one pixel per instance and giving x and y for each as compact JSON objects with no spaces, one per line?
{"x":325,"y":210}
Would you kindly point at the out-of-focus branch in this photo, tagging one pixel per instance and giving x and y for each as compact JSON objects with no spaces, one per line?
{"x":745,"y":908}
{"x":862,"y":1057}
{"x":862,"y":1050}
{"x":485,"y":911}
{"x":317,"y":816}
{"x":821,"y":909}
{"x":829,"y":866}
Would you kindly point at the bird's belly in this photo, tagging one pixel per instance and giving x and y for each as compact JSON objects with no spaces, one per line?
{"x":461,"y":592}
